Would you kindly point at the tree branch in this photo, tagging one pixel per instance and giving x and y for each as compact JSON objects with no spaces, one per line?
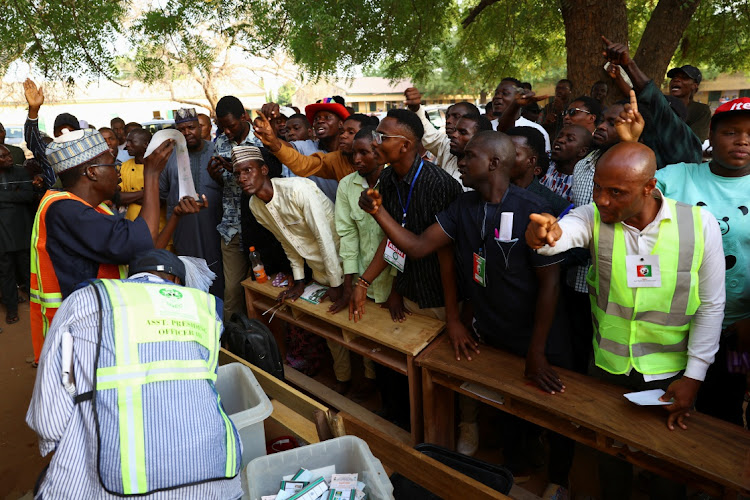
{"x":476,"y":11}
{"x":183,"y":101}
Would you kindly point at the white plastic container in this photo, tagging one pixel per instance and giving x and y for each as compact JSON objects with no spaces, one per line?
{"x":348,"y":453}
{"x":247,"y":406}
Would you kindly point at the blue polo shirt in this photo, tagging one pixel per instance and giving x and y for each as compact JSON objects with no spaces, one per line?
{"x":505,"y":308}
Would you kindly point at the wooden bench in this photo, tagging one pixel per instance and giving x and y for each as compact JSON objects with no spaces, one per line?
{"x":711,"y":455}
{"x":376,"y":336}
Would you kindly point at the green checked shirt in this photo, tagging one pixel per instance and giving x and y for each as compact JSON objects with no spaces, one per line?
{"x":360,"y":235}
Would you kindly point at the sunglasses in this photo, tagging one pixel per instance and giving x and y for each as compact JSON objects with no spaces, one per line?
{"x":378,"y":136}
{"x":571,"y":112}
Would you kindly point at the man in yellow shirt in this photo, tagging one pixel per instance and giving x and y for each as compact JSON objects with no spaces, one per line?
{"x":131,"y":172}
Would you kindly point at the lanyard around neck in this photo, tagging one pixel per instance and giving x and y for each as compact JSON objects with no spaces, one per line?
{"x":404,"y":209}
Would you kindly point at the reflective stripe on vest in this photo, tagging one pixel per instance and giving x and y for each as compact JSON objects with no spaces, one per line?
{"x":646,"y":327}
{"x":44,"y":292}
{"x":144,"y":313}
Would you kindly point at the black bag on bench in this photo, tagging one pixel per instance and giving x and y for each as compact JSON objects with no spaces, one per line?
{"x":251,"y":340}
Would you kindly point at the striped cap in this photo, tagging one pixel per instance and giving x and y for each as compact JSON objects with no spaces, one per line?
{"x":75,"y":148}
{"x":246,"y":153}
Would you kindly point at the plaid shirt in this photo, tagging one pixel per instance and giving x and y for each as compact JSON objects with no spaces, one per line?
{"x":583,"y":194}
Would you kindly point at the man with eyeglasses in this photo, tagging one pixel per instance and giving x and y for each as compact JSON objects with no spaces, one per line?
{"x":413,"y":192}
{"x":584,"y":111}
{"x":75,"y":235}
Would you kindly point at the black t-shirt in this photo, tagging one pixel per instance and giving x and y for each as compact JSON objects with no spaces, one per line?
{"x":505,"y":308}
{"x":434,"y":190}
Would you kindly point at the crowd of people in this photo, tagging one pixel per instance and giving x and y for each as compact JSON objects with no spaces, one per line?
{"x":592,"y":234}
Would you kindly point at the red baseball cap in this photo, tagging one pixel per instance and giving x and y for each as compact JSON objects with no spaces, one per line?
{"x":326,"y":104}
{"x":731,"y":108}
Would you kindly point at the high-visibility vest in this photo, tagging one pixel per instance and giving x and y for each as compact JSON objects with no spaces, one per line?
{"x":45,"y":290}
{"x":159,"y":419}
{"x":646,"y":328}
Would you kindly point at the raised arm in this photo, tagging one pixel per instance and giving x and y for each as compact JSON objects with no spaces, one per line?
{"x":153,"y":165}
{"x":522,"y":98}
{"x":415,"y":246}
{"x":316,"y":164}
{"x":31,"y":133}
{"x":617,"y":53}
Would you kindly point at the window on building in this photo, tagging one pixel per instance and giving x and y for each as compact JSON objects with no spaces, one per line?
{"x":355,"y":107}
{"x":714,"y":95}
{"x":373,"y":107}
{"x":745,"y":93}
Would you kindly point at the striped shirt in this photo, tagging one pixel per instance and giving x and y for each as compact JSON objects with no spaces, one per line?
{"x":70,"y":429}
{"x":583,"y":194}
{"x":434,"y":191}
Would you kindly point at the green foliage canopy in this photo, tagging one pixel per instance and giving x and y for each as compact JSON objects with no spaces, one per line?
{"x":421,"y":39}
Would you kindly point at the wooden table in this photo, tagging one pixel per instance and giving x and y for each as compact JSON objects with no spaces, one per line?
{"x":711,"y":455}
{"x":376,"y":336}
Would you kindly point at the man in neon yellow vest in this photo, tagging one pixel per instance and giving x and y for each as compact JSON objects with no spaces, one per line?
{"x":656,"y":283}
{"x":125,"y":391}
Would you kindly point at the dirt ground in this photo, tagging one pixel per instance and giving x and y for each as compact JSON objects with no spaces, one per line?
{"x":20,"y":462}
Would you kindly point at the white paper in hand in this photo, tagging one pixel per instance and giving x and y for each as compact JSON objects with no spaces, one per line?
{"x":647,"y":398}
{"x":184,"y":175}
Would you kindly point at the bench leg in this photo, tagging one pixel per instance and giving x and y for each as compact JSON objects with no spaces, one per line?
{"x":414,"y":374}
{"x":439,"y":412}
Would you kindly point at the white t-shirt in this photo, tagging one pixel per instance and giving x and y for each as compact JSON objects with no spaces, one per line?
{"x":523,"y":122}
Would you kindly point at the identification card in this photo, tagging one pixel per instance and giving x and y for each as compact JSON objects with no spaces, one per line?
{"x":479,"y":269}
{"x":394,"y":256}
{"x":643,"y":271}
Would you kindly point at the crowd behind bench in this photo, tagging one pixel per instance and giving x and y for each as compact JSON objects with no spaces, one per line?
{"x":589,"y":234}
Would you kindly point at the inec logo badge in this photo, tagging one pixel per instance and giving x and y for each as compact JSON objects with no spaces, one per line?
{"x":173,"y":298}
{"x":170,"y":293}
{"x":644,"y":271}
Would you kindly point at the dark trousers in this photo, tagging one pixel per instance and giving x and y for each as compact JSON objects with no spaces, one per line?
{"x":578,"y":307}
{"x":722,"y":393}
{"x":13,"y":264}
{"x":615,"y":475}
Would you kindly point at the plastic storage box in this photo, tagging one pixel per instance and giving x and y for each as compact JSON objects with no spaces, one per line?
{"x":247,"y":406}
{"x":495,"y":476}
{"x":348,"y":453}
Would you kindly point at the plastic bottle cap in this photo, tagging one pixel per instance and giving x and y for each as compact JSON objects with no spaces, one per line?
{"x":252,"y":249}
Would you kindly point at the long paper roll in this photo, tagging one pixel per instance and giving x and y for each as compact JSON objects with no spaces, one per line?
{"x":184,"y":175}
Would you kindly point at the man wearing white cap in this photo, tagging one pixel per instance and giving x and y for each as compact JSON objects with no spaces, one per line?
{"x":302,"y":218}
{"x":75,"y":237}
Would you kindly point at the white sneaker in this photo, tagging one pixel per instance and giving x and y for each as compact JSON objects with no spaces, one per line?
{"x":468,"y":438}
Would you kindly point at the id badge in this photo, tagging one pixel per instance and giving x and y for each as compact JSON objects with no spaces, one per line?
{"x":479,"y":269}
{"x":643,"y":271}
{"x":394,"y":256}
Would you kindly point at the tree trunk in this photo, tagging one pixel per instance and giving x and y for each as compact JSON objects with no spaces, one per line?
{"x":663,"y":33}
{"x":585,"y":21}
